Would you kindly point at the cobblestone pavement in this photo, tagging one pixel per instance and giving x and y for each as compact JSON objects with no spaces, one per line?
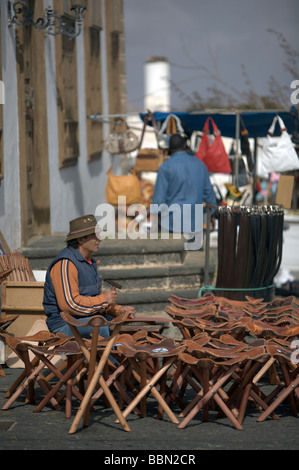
{"x":22,"y":429}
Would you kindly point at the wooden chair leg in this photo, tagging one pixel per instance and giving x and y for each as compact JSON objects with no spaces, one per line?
{"x":2,"y":373}
{"x":98,"y":378}
{"x":91,"y":369}
{"x":20,"y":379}
{"x":32,"y":377}
{"x":63,"y":379}
{"x":143,"y":381}
{"x":150,"y":388}
{"x":119,"y":385}
{"x":212,"y":394}
{"x":284,"y":394}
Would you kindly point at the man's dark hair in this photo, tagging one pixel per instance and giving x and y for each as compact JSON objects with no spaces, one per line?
{"x":74,"y":243}
{"x":177,"y":142}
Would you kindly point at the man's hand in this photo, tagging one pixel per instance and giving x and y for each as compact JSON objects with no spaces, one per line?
{"x":128,"y":309}
{"x":111,"y":296}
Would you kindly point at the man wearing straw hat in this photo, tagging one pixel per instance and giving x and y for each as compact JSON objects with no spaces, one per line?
{"x":73,"y":285}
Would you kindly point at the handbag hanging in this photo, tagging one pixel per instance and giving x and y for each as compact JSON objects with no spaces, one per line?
{"x":277,"y":154}
{"x":148,"y":159}
{"x":171,"y":125}
{"x":195,"y":139}
{"x":123,"y":185}
{"x":245,"y":146}
{"x":213,"y":155}
{"x":121,"y":139}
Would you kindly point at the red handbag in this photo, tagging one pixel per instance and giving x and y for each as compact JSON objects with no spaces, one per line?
{"x":213,"y":155}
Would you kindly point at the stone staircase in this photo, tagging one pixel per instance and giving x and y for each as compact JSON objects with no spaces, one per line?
{"x":148,"y":270}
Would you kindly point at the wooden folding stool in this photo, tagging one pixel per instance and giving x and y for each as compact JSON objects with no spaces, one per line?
{"x":213,"y":367}
{"x":138,"y":354}
{"x":95,"y":371}
{"x":289,"y":388}
{"x":73,"y":372}
{"x":32,"y":368}
{"x":5,"y":322}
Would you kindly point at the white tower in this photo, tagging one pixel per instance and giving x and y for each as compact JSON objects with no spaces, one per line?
{"x":157,"y":84}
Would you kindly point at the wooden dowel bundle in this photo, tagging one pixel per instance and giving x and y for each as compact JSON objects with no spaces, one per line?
{"x":15,"y":267}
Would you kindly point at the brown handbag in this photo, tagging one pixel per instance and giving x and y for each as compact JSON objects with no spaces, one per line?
{"x":123,"y":185}
{"x":149,"y":159}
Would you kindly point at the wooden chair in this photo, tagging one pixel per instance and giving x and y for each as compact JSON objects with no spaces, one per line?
{"x":119,"y":377}
{"x":45,"y":342}
{"x":148,"y":376}
{"x":97,"y":357}
{"x":213,"y":364}
{"x":274,"y":323}
{"x":69,"y":377}
{"x":290,"y":389}
{"x":5,"y":323}
{"x":210,"y":393}
{"x":287,"y":388}
{"x":255,"y":360}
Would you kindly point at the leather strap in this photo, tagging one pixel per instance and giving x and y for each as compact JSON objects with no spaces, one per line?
{"x":148,"y":117}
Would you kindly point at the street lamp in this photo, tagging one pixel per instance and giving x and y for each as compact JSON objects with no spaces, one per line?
{"x":20,"y":14}
{"x":78,"y":6}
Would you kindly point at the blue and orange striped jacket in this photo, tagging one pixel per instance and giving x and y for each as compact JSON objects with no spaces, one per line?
{"x":72,"y":285}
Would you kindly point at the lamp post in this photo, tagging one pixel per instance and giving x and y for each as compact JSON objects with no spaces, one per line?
{"x":20,"y":14}
{"x":78,"y":7}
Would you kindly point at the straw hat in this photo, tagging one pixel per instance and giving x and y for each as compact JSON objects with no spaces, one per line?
{"x":81,"y":227}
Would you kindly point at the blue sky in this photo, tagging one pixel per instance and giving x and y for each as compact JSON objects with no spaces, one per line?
{"x":221,"y":35}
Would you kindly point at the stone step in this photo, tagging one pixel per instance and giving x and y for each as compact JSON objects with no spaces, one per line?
{"x":134,"y":278}
{"x":149,"y":287}
{"x":116,"y":253}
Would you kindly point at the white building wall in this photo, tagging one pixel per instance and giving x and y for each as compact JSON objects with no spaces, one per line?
{"x":74,"y":191}
{"x":10,"y":224}
{"x":77,"y":190}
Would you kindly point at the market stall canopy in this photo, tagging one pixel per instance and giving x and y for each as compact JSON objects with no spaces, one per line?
{"x":256,"y":122}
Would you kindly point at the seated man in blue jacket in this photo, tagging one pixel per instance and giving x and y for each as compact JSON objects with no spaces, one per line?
{"x":181,"y":188}
{"x":73,"y":284}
